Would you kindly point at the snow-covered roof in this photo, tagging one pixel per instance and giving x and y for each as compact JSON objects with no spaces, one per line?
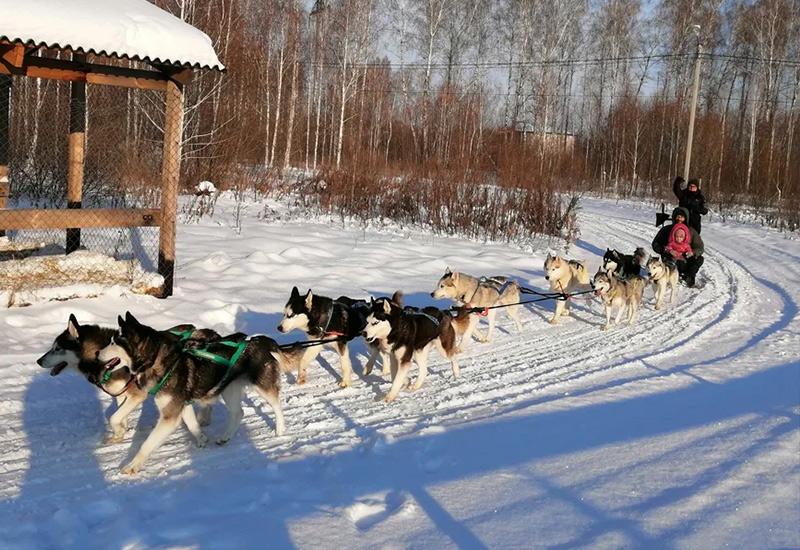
{"x":130,"y":29}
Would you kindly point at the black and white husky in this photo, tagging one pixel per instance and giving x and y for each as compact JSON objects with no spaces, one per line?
{"x":76,"y":348}
{"x":624,"y":265}
{"x":323,"y":318}
{"x":409,"y":334}
{"x":162,"y":366}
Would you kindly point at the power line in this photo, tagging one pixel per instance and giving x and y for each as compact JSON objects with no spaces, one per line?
{"x":554,"y":62}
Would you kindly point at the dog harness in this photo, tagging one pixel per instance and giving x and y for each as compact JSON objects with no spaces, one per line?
{"x":203,"y":353}
{"x":410,"y":310}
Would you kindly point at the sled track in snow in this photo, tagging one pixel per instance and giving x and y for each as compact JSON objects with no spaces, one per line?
{"x":515,"y":371}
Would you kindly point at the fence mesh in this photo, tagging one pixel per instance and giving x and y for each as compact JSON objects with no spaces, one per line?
{"x":56,"y":239}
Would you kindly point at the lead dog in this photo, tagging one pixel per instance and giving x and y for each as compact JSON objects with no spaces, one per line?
{"x":620,"y":294}
{"x":565,"y":276}
{"x":161,"y":365}
{"x":409,"y":334}
{"x":661,"y":275}
{"x":480,"y":292}
{"x":76,"y":349}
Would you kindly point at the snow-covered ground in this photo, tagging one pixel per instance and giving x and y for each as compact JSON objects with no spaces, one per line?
{"x":680,"y":431}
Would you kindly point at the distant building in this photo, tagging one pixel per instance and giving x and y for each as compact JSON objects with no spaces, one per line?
{"x":553,"y":141}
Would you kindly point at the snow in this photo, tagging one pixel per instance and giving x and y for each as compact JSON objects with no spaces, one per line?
{"x":60,"y":277}
{"x":134,"y":29}
{"x":205,"y":187}
{"x":682,"y":431}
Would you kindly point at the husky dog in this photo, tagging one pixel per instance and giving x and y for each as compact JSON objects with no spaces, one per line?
{"x":77,"y":347}
{"x":410,"y":334}
{"x":480,"y":292}
{"x":565,"y":276}
{"x":624,"y":265}
{"x":161,"y":365}
{"x":323,"y":318}
{"x":661,"y":275}
{"x":622,"y":294}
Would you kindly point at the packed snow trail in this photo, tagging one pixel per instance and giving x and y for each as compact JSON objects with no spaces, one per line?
{"x":679,"y":431}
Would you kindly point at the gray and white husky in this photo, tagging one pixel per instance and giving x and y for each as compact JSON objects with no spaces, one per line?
{"x":661,"y":275}
{"x":620,"y":294}
{"x":480,"y":292}
{"x":160,"y":363}
{"x":409,"y":334}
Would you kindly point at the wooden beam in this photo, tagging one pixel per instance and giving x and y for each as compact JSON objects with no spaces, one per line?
{"x":170,"y":176}
{"x":90,"y":73}
{"x":76,"y":152}
{"x":54,"y":218}
{"x":12,"y":54}
{"x":5,"y":142}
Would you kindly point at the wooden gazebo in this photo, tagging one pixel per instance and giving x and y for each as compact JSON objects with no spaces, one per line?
{"x":94,"y":35}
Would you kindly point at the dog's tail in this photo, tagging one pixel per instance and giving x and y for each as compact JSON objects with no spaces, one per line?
{"x":446,"y":343}
{"x":288,"y":359}
{"x":447,"y":337}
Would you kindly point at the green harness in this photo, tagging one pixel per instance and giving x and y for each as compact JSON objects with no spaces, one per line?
{"x":205,"y":355}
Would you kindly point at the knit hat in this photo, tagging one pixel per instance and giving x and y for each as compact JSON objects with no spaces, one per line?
{"x":694,"y":181}
{"x":682,"y":211}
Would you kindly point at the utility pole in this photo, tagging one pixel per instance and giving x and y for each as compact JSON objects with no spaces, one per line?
{"x":695,"y":89}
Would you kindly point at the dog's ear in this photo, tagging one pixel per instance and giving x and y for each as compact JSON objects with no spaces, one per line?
{"x":295,"y":292}
{"x":73,"y":328}
{"x":397,"y":297}
{"x":120,"y":321}
{"x":309,"y":299}
{"x":447,"y":271}
{"x":131,"y":320}
{"x":387,"y":307}
{"x":454,"y":276}
{"x":371,"y":302}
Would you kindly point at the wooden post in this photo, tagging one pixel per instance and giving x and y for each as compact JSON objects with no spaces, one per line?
{"x":77,"y":149}
{"x":5,"y":142}
{"x":170,"y":176}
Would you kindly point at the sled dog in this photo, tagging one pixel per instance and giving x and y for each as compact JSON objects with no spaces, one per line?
{"x":624,"y":265}
{"x":77,"y":347}
{"x":662,"y":274}
{"x":409,"y":334}
{"x":565,"y":276}
{"x":162,"y":366}
{"x":323,"y":318}
{"x":480,"y":292}
{"x":620,"y":294}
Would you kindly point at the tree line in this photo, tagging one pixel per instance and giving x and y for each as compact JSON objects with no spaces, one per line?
{"x":570,"y":96}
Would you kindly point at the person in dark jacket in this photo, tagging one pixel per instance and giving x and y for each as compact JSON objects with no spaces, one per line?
{"x":689,"y":262}
{"x":691,"y":199}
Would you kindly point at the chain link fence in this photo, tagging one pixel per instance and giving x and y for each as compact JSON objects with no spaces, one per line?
{"x":81,"y":207}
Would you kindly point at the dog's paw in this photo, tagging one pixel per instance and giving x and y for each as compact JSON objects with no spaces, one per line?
{"x":388,"y":399}
{"x":553,"y":321}
{"x":565,"y":313}
{"x":605,"y":327}
{"x":659,"y":307}
{"x":130,"y":469}
{"x":113,"y":438}
{"x":301,"y":380}
{"x":344,"y":383}
{"x":222,"y":441}
{"x":201,"y":441}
